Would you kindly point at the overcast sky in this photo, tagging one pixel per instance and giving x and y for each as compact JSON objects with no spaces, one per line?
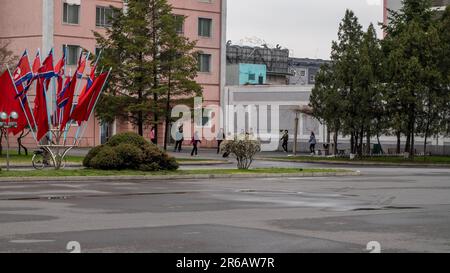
{"x":306,"y":27}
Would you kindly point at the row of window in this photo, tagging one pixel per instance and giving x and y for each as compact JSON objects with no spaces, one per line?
{"x":71,"y":15}
{"x":73,"y":51}
{"x":103,"y":15}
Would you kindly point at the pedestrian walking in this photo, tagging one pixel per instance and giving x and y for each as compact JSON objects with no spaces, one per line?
{"x":220,"y":138}
{"x":179,"y":138}
{"x":153,"y":135}
{"x":312,"y":143}
{"x":195,"y":141}
{"x":285,"y":140}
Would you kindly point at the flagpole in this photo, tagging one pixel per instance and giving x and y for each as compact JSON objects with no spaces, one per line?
{"x":47,"y":102}
{"x":21,"y":104}
{"x":28,"y":101}
{"x":77,"y":89}
{"x":93,"y":108}
{"x":95,"y":65}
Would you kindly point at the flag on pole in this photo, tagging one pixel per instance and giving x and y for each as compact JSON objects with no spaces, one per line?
{"x":60,"y":70}
{"x":44,"y":74}
{"x":46,"y":71}
{"x":37,"y":63}
{"x":65,"y":101}
{"x":89,"y":82}
{"x":40,"y":110}
{"x":86,"y":104}
{"x":81,"y":66}
{"x":23,"y":77}
{"x":8,"y":96}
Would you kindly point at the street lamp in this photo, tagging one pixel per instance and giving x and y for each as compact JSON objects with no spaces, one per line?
{"x":7,"y":122}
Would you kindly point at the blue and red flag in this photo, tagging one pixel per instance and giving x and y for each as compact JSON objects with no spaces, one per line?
{"x":23,"y":77}
{"x":65,"y":101}
{"x":81,"y":66}
{"x":46,"y":71}
{"x":60,"y":70}
{"x":22,"y":74}
{"x":89,"y":82}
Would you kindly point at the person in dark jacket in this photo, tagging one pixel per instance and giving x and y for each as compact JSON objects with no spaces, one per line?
{"x":195,"y":141}
{"x":285,"y":140}
{"x":312,"y":143}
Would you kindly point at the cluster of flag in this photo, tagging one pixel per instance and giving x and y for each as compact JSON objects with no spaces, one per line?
{"x":42,"y":117}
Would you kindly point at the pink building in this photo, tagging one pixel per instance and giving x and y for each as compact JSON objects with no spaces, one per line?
{"x":47,"y":24}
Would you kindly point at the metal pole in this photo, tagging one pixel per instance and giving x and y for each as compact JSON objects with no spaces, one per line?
{"x":296,"y":133}
{"x":7,"y":149}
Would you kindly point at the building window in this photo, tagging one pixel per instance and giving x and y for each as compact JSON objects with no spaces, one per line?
{"x":179,"y":23}
{"x":312,"y":78}
{"x":72,"y":54}
{"x":204,"y":27}
{"x":204,"y":62}
{"x":103,"y":16}
{"x":251,"y":77}
{"x":71,"y":14}
{"x":206,"y":119}
{"x":302,"y":73}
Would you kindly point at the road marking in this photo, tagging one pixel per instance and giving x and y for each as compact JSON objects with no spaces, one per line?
{"x":30,"y":241}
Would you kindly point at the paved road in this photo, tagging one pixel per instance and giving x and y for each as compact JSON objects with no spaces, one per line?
{"x":404,"y":209}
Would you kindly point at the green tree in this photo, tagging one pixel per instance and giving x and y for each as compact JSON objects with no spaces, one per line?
{"x":326,"y":102}
{"x":411,"y":68}
{"x":152,"y":65}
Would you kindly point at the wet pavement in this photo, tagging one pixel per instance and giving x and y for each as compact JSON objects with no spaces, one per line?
{"x":405,"y":209}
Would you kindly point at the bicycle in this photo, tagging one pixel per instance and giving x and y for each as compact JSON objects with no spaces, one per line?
{"x":40,"y":162}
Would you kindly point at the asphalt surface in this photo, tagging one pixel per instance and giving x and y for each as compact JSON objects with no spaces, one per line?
{"x":404,"y":209}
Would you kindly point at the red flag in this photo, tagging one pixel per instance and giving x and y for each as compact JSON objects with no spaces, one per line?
{"x":22,"y":122}
{"x":47,"y":71}
{"x":9,"y":101}
{"x":22,"y":74}
{"x":89,"y":82}
{"x":86,"y":104}
{"x":65,"y":101}
{"x":36,"y":63}
{"x":59,"y":71}
{"x":40,"y":110}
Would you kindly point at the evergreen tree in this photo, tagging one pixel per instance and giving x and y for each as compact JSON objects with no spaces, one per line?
{"x":411,"y":68}
{"x":153,"y":66}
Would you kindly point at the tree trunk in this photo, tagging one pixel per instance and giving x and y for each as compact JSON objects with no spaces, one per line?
{"x":335,"y":141}
{"x":368,"y":143}
{"x":167,"y":121}
{"x":399,"y":141}
{"x":155,"y":76}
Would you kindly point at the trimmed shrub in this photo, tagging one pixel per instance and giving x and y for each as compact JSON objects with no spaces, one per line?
{"x":244,"y":149}
{"x":92,"y":153}
{"x":128,"y":138}
{"x":107,"y":159}
{"x":129,"y":151}
{"x":130,"y":154}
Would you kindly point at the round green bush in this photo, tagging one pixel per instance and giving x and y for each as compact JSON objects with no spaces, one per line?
{"x":91,"y":154}
{"x":128,"y":138}
{"x":107,"y":159}
{"x":130,"y":155}
{"x":129,"y":151}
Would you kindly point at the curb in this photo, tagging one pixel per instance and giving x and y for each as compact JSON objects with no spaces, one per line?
{"x":173,"y":177}
{"x":362,"y":163}
{"x":202,"y":163}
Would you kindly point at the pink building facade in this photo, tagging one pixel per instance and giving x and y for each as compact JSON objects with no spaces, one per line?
{"x":46,"y":24}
